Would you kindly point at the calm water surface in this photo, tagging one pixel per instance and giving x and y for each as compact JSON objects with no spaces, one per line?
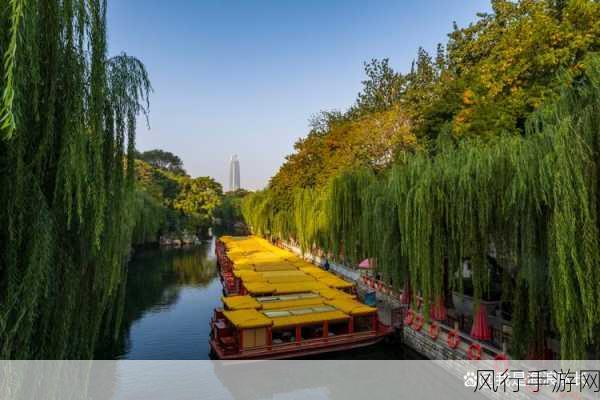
{"x":169,"y":301}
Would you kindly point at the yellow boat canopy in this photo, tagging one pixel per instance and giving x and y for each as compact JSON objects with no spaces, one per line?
{"x":263,"y":267}
{"x":247,"y":275}
{"x":314,"y":271}
{"x":240,"y":302}
{"x":244,"y":319}
{"x":309,"y":318}
{"x":297,"y":287}
{"x":295,"y":303}
{"x":284,"y":290}
{"x":330,"y":294}
{"x":290,"y":310}
{"x":335,"y":282}
{"x":351,"y":307}
{"x":259,"y":288}
{"x":339,"y":300}
{"x":248,"y":319}
{"x":290,"y":278}
{"x":266,"y":269}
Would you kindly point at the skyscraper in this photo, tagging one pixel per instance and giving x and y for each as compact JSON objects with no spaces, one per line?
{"x":234,"y":173}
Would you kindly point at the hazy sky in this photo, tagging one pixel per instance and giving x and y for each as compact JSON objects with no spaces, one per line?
{"x":244,"y":77}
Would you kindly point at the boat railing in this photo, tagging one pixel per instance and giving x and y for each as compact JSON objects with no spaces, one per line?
{"x":307,"y":343}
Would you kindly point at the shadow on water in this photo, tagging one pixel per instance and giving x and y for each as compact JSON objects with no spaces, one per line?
{"x":169,"y":298}
{"x":168,"y":302}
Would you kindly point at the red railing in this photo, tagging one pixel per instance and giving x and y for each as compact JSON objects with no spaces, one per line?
{"x":308,"y":344}
{"x":464,"y":339}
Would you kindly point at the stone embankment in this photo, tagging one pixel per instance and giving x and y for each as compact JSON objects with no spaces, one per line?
{"x":433,"y":343}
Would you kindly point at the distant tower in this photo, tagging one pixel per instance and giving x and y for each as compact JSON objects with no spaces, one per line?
{"x":234,"y":173}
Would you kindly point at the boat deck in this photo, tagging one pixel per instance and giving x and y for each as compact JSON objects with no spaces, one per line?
{"x":280,"y":306}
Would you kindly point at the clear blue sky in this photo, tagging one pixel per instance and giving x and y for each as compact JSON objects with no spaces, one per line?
{"x":244,"y":77}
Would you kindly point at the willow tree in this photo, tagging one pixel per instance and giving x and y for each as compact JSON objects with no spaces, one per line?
{"x":530,"y":201}
{"x":68,"y":126}
{"x":311,"y":222}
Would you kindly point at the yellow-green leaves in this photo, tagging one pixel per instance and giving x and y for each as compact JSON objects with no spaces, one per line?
{"x":7,"y":116}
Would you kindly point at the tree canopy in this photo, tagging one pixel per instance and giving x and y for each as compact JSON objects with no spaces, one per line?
{"x":491,"y":143}
{"x":186,"y":203}
{"x":163,"y":160}
{"x":67,"y":141}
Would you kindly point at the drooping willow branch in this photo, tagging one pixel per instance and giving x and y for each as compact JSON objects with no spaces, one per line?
{"x":69,"y":202}
{"x":7,"y":118}
{"x":531,"y":202}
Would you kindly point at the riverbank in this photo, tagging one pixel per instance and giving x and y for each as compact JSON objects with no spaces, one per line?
{"x":435,"y":343}
{"x":168,"y":303}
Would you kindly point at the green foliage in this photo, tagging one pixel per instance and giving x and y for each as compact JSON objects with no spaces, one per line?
{"x":150,"y":219}
{"x":68,"y":121}
{"x":534,"y":199}
{"x":164,"y":160}
{"x":383,"y":88}
{"x":229,"y":213}
{"x":198,"y":199}
{"x":505,"y":65}
{"x":7,"y":118}
{"x":185,"y":203}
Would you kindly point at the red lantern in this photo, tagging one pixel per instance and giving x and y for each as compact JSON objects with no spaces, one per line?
{"x":453,"y":339}
{"x":418,"y":322}
{"x":474,"y":351}
{"x":434,"y":330}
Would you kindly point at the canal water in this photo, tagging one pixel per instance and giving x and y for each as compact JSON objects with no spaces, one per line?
{"x":168,"y":303}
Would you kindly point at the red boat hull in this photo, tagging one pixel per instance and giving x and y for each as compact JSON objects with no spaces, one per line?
{"x":303,"y":349}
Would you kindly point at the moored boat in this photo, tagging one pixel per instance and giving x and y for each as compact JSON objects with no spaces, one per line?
{"x":288,"y":326}
{"x":277,"y":305}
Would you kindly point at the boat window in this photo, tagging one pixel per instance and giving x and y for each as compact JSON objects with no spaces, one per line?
{"x":338,"y":328}
{"x":363,"y":323}
{"x":312,"y":332}
{"x":283,"y":335}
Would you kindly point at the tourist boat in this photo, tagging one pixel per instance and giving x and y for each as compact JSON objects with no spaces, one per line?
{"x":288,"y":326}
{"x":251,"y":265}
{"x":277,"y":305}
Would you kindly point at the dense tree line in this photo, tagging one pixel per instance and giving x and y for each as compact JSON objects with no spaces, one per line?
{"x":483,"y":83}
{"x":229,"y":214}
{"x":75,"y":193}
{"x":67,"y":141}
{"x":173,"y":202}
{"x":490,"y":143}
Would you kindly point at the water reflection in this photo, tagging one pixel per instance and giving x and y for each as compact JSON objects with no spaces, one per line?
{"x":169,"y":297}
{"x":168,"y":303}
